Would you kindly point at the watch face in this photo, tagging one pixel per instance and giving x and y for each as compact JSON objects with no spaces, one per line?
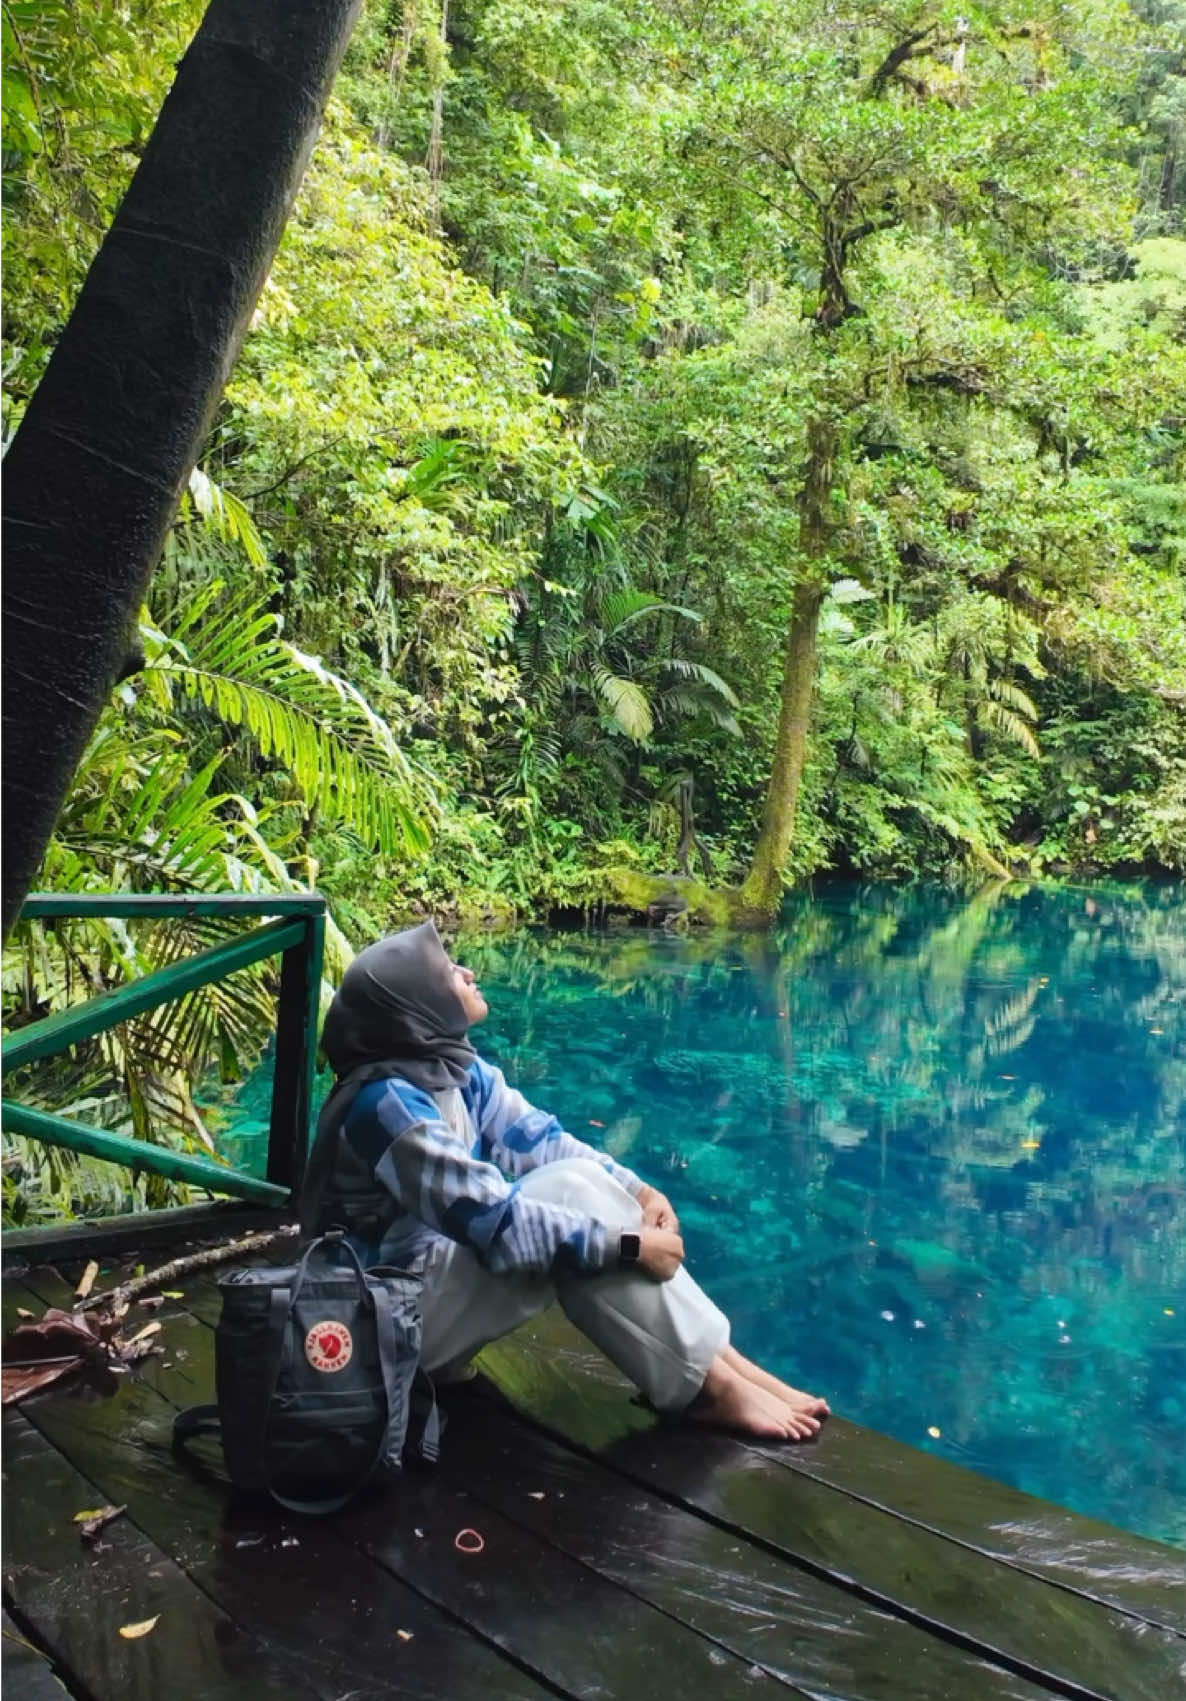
{"x":630,"y":1248}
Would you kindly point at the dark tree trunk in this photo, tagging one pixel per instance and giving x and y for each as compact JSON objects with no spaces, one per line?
{"x":94,"y":474}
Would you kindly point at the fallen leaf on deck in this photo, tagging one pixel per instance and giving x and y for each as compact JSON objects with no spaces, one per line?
{"x":93,"y":1522}
{"x":537,"y":1495}
{"x":144,"y":1334}
{"x":36,"y":1354}
{"x":57,"y":1333}
{"x":21,"y":1312}
{"x":172,"y":1293}
{"x":130,"y":1632}
{"x":404,"y":1635}
{"x":22,"y":1379}
{"x":88,"y":1280}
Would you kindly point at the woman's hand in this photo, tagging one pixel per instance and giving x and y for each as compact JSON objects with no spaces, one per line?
{"x":660,"y":1253}
{"x":657,"y":1210}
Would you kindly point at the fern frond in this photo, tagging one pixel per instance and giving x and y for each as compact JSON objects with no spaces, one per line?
{"x":341,"y":755}
{"x":226,"y":514}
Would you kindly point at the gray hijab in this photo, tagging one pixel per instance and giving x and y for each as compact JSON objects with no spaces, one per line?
{"x":396,"y":1013}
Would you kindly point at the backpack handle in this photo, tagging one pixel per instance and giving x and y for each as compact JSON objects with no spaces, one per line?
{"x":337,"y":1239}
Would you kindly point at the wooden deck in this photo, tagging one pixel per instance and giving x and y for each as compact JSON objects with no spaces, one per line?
{"x":623,"y":1560}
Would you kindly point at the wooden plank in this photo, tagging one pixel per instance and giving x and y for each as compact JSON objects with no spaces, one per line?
{"x":563,"y":1381}
{"x":110,"y":1236}
{"x":525,"y":1599}
{"x":78,"y":1598}
{"x":808,"y":1632}
{"x":1065,"y":1640}
{"x":919,"y":1652}
{"x":82,"y":1021}
{"x":572,"y":1628}
{"x":27,"y":1673}
{"x":551,"y":1365}
{"x":1139,"y":1576}
{"x":157,"y":905}
{"x":575,"y":1631}
{"x":583,"y":1634}
{"x":289,"y":1581}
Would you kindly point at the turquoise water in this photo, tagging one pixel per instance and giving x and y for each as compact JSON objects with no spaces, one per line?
{"x":929,"y":1153}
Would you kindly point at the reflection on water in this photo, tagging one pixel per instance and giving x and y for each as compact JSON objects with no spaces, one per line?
{"x":929,"y":1152}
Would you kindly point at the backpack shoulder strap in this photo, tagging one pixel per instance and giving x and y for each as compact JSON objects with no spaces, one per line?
{"x":194,"y":1421}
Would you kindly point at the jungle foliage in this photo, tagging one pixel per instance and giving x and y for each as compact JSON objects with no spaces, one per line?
{"x":641,"y":391}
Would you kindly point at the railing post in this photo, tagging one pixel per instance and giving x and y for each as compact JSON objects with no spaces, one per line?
{"x":296,"y":1057}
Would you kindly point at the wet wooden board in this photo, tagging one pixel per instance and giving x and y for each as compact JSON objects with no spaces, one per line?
{"x":548,"y":1614}
{"x":918,"y":1651}
{"x":590,"y":1401}
{"x":962,"y":1595}
{"x":830,"y":1642}
{"x":1065,"y":1640}
{"x":78,"y":1598}
{"x":748,"y":1601}
{"x":1142,"y":1577}
{"x":778,"y":1568}
{"x":294,"y":1582}
{"x":27,"y":1674}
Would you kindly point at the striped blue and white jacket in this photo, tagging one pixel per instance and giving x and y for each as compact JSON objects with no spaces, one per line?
{"x":412,"y":1167}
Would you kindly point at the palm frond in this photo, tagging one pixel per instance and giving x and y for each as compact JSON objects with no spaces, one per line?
{"x":622,"y":608}
{"x":626,"y":702}
{"x":696,"y":699}
{"x":1005,"y":691}
{"x":1008,"y":723}
{"x":703,"y":675}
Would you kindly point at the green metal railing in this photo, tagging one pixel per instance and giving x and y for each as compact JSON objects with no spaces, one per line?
{"x":297,"y":934}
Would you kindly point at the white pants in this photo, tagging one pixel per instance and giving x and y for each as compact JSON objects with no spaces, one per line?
{"x":662,"y":1335}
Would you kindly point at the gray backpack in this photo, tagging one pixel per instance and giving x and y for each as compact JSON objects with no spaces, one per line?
{"x":316,"y":1372}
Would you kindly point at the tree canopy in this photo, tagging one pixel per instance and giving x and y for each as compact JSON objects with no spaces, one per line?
{"x":739,"y":427}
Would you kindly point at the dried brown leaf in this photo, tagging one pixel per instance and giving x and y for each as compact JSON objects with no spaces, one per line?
{"x":22,"y":1379}
{"x":88,"y":1280}
{"x":58,"y":1333}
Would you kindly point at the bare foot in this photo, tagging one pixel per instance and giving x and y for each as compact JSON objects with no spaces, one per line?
{"x":730,"y":1401}
{"x":811,"y":1404}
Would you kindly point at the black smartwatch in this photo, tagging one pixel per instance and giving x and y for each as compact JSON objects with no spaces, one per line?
{"x":629,"y":1248}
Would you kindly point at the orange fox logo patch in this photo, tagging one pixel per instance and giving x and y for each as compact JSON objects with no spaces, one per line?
{"x":329,"y":1346}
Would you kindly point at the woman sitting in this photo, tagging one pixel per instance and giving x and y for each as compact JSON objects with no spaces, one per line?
{"x":414,"y":1148}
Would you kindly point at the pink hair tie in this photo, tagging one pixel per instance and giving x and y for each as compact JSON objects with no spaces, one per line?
{"x":469,"y":1541}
